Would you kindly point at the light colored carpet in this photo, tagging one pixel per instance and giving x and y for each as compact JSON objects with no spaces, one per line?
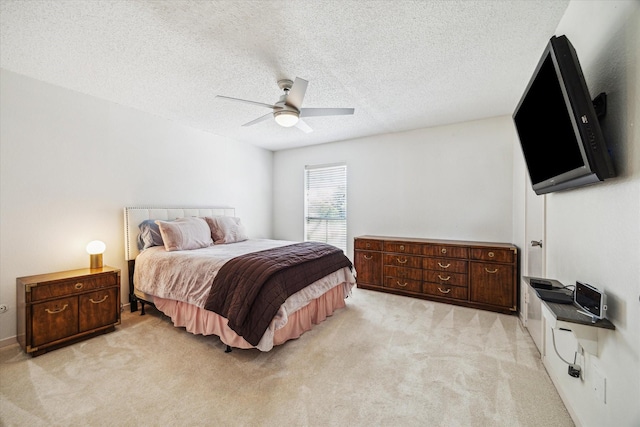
{"x":382,"y":360}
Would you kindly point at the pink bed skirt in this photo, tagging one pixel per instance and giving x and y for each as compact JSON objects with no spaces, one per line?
{"x":200,"y":321}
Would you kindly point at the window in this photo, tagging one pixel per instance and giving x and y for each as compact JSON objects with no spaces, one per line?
{"x":325,"y":204}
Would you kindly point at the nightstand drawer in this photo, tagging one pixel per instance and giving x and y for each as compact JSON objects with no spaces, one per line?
{"x":98,"y":309}
{"x":53,"y":320}
{"x":81,"y":284}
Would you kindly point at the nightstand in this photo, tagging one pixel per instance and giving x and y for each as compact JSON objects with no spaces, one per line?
{"x":58,"y":309}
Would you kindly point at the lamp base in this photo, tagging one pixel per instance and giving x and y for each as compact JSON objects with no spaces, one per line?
{"x":95,"y":261}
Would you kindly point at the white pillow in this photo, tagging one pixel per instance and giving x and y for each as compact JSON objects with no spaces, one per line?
{"x":185,"y":234}
{"x":226,"y":229}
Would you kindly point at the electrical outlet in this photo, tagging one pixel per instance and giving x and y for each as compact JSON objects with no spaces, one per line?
{"x":599,"y":384}
{"x":3,"y":308}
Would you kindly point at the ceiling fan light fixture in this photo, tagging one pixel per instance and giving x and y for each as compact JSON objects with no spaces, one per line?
{"x":286,"y":118}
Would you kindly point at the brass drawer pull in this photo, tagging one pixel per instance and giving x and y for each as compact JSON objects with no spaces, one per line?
{"x":98,"y":302}
{"x":368,"y":245}
{"x":401,"y":261}
{"x":79,"y":285}
{"x":444,"y":266}
{"x":491,"y":254}
{"x":491,"y":271}
{"x":401,"y":284}
{"x":443,"y":291}
{"x":444,"y":278}
{"x":368,"y":257}
{"x":443,"y":250}
{"x":60,"y":310}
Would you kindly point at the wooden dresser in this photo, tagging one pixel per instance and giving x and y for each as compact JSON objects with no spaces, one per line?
{"x":473,"y":274}
{"x":57,"y":309}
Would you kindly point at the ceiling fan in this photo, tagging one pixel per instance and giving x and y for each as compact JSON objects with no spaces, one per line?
{"x":288,"y":110}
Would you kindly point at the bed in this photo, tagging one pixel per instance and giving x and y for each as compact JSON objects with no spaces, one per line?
{"x":211,"y":289}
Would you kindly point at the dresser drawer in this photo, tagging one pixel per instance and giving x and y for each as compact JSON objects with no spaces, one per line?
{"x":368,"y":267}
{"x":445,"y":278}
{"x":70,"y":287}
{"x":368,"y":244}
{"x":403,"y":248}
{"x":403,"y":272}
{"x":493,"y":254}
{"x":446,"y":264}
{"x":446,"y":251}
{"x":403,"y":284}
{"x":403,"y":260}
{"x":448,"y":291}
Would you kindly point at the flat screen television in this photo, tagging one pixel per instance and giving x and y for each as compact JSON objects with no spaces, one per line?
{"x":558,"y":126}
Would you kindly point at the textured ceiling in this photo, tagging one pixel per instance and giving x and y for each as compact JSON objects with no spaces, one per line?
{"x":401,"y":64}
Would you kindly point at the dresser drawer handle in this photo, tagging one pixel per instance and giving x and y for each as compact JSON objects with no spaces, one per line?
{"x":444,"y":266}
{"x":402,"y":284}
{"x":444,"y":278}
{"x":401,"y":261}
{"x":79,"y":285}
{"x":491,"y":271}
{"x":368,"y":257}
{"x":368,"y":245}
{"x":60,"y":310}
{"x":98,"y":302}
{"x":443,"y":291}
{"x":443,"y":250}
{"x":491,"y":254}
{"x":402,"y":247}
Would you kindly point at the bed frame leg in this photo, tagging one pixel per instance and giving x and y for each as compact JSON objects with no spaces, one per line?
{"x":142,"y":313}
{"x":228,"y":349}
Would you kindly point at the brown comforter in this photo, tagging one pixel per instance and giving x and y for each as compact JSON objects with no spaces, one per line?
{"x":249,"y":289}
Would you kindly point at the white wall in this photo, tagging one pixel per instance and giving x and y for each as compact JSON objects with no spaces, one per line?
{"x":593,"y":233}
{"x":450,"y":182}
{"x":70,"y":163}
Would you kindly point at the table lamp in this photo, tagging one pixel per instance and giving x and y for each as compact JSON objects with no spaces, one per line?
{"x":95,"y":249}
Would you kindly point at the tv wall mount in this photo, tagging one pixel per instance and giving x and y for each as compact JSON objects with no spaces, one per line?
{"x":600,"y":105}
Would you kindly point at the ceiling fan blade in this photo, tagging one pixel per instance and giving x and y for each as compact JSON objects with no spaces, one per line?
{"x":259,"y":119}
{"x":314,"y":112}
{"x":303,"y":127}
{"x":296,"y":93}
{"x":261,"y":104}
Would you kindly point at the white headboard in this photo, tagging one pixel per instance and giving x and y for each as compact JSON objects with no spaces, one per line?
{"x":134,"y":216}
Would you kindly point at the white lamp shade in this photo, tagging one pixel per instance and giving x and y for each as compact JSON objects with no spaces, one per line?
{"x":96,"y":247}
{"x":286,"y":118}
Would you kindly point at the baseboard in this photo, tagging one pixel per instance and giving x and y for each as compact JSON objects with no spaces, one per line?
{"x":563,"y":396}
{"x":8,"y":342}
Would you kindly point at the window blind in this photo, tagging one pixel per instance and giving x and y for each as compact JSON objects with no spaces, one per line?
{"x":325,"y":207}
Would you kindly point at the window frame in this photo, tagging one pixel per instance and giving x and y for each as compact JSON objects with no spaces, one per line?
{"x":337,"y":199}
